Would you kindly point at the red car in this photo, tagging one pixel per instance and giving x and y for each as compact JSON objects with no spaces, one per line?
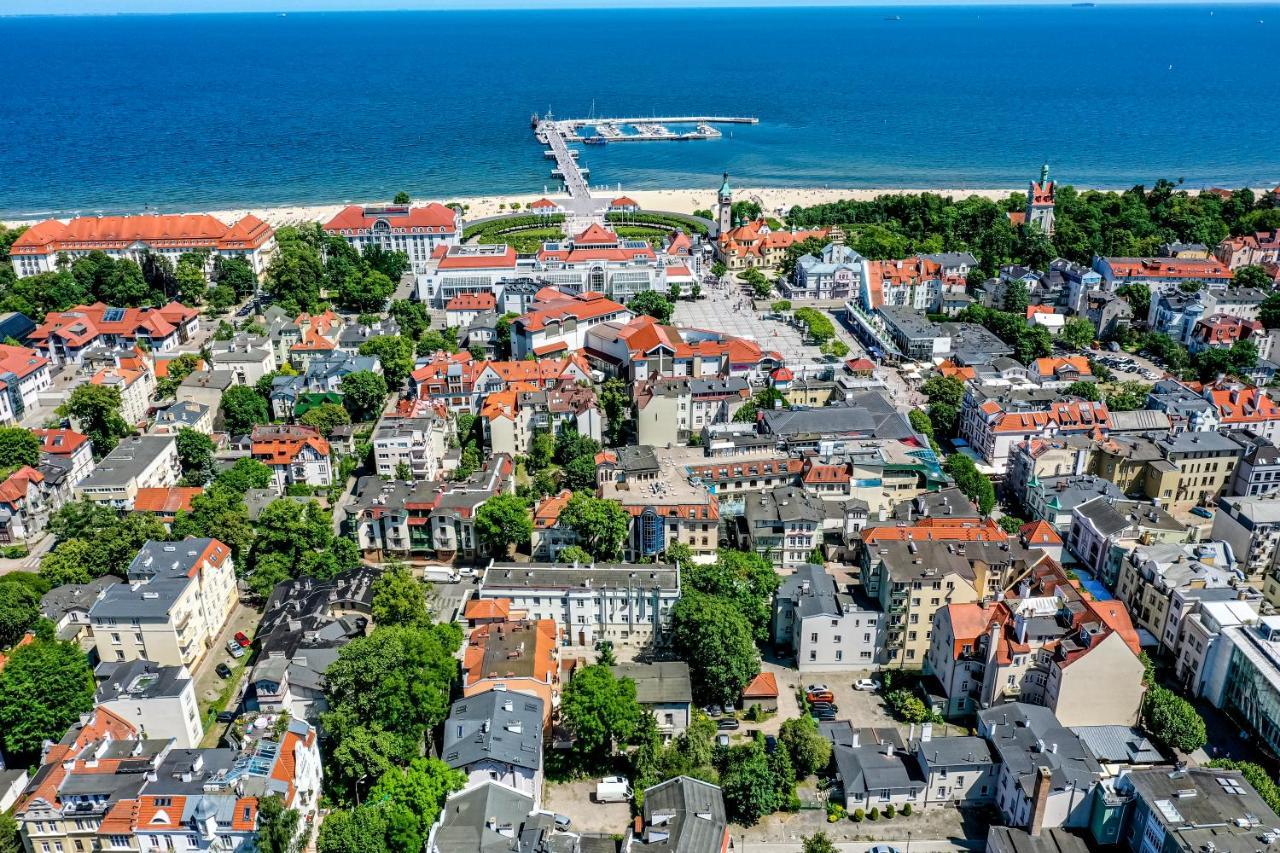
{"x":242,"y":639}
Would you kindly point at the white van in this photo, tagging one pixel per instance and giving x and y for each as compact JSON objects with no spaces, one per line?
{"x":613,"y":789}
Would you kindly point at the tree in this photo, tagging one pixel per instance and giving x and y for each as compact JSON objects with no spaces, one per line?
{"x":96,"y":410}
{"x":541,"y":451}
{"x":718,"y":269}
{"x":575,"y":554}
{"x":614,"y":397}
{"x":1139,"y":298}
{"x":717,"y":641}
{"x":402,"y":197}
{"x":44,"y":688}
{"x":764,"y":400}
{"x":411,"y":317}
{"x":243,"y":408}
{"x":277,"y":825}
{"x":296,"y":540}
{"x":10,"y":840}
{"x":600,"y":524}
{"x":235,"y":273}
{"x":18,"y":447}
{"x":946,"y":394}
{"x":218,"y":512}
{"x":906,"y":706}
{"x":296,"y":271}
{"x":580,"y":473}
{"x":364,"y":289}
{"x":1253,"y":275}
{"x":177,"y":369}
{"x":1011,"y":524}
{"x":361,"y":829}
{"x":976,"y":485}
{"x":363,"y":393}
{"x":1084,"y":390}
{"x":1128,"y":397}
{"x":503,"y":523}
{"x":652,"y":303}
{"x":418,"y":793}
{"x":395,"y":354}
{"x":600,"y":709}
{"x":1173,"y":720}
{"x":746,"y":580}
{"x":244,"y":475}
{"x":1077,"y":333}
{"x":747,"y":784}
{"x":399,"y":598}
{"x":920,"y":423}
{"x":195,"y":455}
{"x":817,"y":843}
{"x":1016,"y":297}
{"x":19,"y":612}
{"x":325,"y":418}
{"x":102,"y":543}
{"x":810,"y":752}
{"x":189,"y":275}
{"x":760,"y":285}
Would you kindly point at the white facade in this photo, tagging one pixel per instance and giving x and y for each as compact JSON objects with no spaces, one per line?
{"x":139,"y":462}
{"x":174,"y":715}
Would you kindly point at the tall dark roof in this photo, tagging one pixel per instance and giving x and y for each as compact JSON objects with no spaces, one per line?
{"x":499,"y":725}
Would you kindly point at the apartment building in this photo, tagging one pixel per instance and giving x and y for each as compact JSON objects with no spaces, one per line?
{"x":135,"y":387}
{"x":176,"y":598}
{"x":642,"y":349}
{"x":512,"y":419}
{"x":1104,"y":530}
{"x":137,"y":462}
{"x":497,"y":736}
{"x":670,"y":411}
{"x":24,"y":373}
{"x":783,"y":525}
{"x":65,"y":336}
{"x":1156,"y":580}
{"x":825,"y":626}
{"x":419,"y":443}
{"x":559,"y":322}
{"x":516,"y":656}
{"x":158,"y":701}
{"x":1251,"y":527}
{"x":1258,"y":470}
{"x":72,"y":448}
{"x":294,"y":453}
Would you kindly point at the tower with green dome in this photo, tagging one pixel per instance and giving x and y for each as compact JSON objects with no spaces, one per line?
{"x":724,"y":198}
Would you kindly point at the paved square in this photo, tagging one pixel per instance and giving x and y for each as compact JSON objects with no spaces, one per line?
{"x":727,"y":310}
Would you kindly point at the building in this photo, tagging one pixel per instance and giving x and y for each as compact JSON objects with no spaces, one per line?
{"x":24,"y":373}
{"x":166,"y":503}
{"x":560,"y":322}
{"x":1104,"y":530}
{"x":664,"y":690}
{"x":681,"y":815}
{"x":761,"y":691}
{"x":664,"y":505}
{"x":418,"y":443}
{"x":831,"y":429}
{"x":205,"y":387}
{"x":173,"y":419}
{"x":169,"y":236}
{"x":1046,"y":644}
{"x":1250,"y":526}
{"x":177,"y":597}
{"x":783,"y":525}
{"x":158,"y":701}
{"x":671,"y":411}
{"x":247,"y":357}
{"x":67,"y":606}
{"x":916,"y":336}
{"x":1158,"y":272}
{"x":1052,"y":499}
{"x":512,"y":419}
{"x":517,"y":657}
{"x":643,"y":349}
{"x":1221,"y":331}
{"x":993,"y":424}
{"x":416,"y":231}
{"x":1193,"y":809}
{"x":1261,"y":247}
{"x":1162,"y":584}
{"x":486,"y":818}
{"x":756,"y":245}
{"x":295,"y":454}
{"x":73,"y":448}
{"x":462,"y":309}
{"x":827,"y":628}
{"x":624,"y":604}
{"x":1258,"y":471}
{"x":837,"y":273}
{"x":1040,"y":199}
{"x":137,"y":462}
{"x":497,"y":736}
{"x":135,"y":388}
{"x":65,"y":336}
{"x":1006,"y":839}
{"x":28,"y":497}
{"x":1245,"y":407}
{"x":1046,"y":775}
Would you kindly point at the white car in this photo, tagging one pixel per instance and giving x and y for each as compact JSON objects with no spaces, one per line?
{"x":865,"y":684}
{"x":817,"y":688}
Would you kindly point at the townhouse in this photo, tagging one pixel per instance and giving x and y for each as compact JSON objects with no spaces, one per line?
{"x":826,"y":627}
{"x":169,"y":236}
{"x":247,"y":357}
{"x":783,"y":525}
{"x":1244,"y":407}
{"x":1158,"y":272}
{"x":464,"y":308}
{"x":671,"y":411}
{"x":165,"y":504}
{"x":65,"y":336}
{"x":416,"y":231}
{"x":294,"y":453}
{"x":1258,"y":470}
{"x":1250,"y":526}
{"x":135,"y":388}
{"x":137,"y":462}
{"x":623,"y":603}
{"x":992,"y":423}
{"x":173,"y":419}
{"x":1051,"y":499}
{"x":512,"y":418}
{"x":1260,"y":247}
{"x":516,"y":657}
{"x":462,"y":383}
{"x":205,"y":388}
{"x":29,"y":497}
{"x":1046,"y":644}
{"x":1163,"y":584}
{"x":876,"y":768}
{"x":73,"y":449}
{"x":1104,"y":530}
{"x":1175,"y":313}
{"x":1221,"y":331}
{"x":176,"y":598}
{"x":319,"y":381}
{"x":67,"y":606}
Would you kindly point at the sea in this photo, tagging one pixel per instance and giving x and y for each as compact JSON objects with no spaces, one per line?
{"x":187,"y":112}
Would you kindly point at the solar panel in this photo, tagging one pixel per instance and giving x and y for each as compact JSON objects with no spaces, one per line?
{"x":113,"y":315}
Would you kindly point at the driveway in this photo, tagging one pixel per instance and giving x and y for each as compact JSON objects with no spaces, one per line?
{"x":211,"y":689}
{"x":575,"y":800}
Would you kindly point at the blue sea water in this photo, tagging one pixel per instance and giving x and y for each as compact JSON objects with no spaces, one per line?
{"x":202,"y":111}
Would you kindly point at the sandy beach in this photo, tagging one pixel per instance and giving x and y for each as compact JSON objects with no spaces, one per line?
{"x":771,"y":199}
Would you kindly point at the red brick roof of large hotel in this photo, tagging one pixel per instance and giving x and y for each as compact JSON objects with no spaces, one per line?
{"x":434,"y":217}
{"x":464,"y":258}
{"x":163,"y":231}
{"x":83,"y":323}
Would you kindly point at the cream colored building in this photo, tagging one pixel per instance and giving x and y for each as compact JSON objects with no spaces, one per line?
{"x":177,"y":597}
{"x":136,"y":385}
{"x":137,"y":462}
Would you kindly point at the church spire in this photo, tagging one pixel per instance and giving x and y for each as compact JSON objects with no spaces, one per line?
{"x":1044,"y":173}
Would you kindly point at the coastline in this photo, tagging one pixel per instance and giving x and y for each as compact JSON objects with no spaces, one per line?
{"x":771,"y":199}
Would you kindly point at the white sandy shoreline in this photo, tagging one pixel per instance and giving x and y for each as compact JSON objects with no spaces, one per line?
{"x":676,"y":201}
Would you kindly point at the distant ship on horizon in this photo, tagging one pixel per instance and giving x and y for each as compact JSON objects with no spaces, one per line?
{"x":1084,"y":5}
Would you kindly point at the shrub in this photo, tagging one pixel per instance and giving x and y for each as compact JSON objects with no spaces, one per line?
{"x":835,"y":812}
{"x":907,"y":810}
{"x":792,"y":803}
{"x":874,"y":814}
{"x":858,"y":815}
{"x":890,"y":811}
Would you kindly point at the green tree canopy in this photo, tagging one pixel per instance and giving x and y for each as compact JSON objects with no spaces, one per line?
{"x":748,"y":784}
{"x":415,"y":794}
{"x":243,"y":408}
{"x":652,"y":303}
{"x":363,"y":393}
{"x":18,"y":447}
{"x":810,"y":752}
{"x":1173,"y":720}
{"x":1077,"y":333}
{"x":19,"y":612}
{"x":600,"y":709}
{"x":399,"y":598}
{"x":195,"y":454}
{"x":1084,"y":390}
{"x":746,"y":580}
{"x":44,"y":688}
{"x":599,"y":523}
{"x":96,"y":411}
{"x":325,"y":418}
{"x":717,"y":641}
{"x":395,"y":354}
{"x":976,"y":485}
{"x":503,"y":521}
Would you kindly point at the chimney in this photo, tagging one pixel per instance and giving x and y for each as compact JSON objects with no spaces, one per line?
{"x":1040,"y":801}
{"x":926,"y":732}
{"x":856,"y":739}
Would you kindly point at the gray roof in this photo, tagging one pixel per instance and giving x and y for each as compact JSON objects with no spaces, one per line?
{"x":499,"y":725}
{"x":256,"y":500}
{"x":186,"y":413}
{"x":959,"y":751}
{"x":1197,"y":806}
{"x":1112,"y":517}
{"x":813,"y":592}
{"x":301,"y":612}
{"x":127,"y":460}
{"x":783,"y":505}
{"x":878,"y":764}
{"x":219,"y":380}
{"x":595,"y":576}
{"x":1118,"y":744}
{"x":1139,"y":420}
{"x":139,"y":679}
{"x":1198,"y":442}
{"x":690,"y":811}
{"x":466,"y":816}
{"x":158,"y":575}
{"x":952,"y":259}
{"x":662,"y":683}
{"x":1028,"y":737}
{"x":973,"y":343}
{"x":55,"y":603}
{"x":911,"y":323}
{"x":949,"y":503}
{"x":1008,"y":839}
{"x":865,"y":414}
{"x":1070,"y":490}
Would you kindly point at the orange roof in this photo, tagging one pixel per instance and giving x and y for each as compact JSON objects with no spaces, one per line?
{"x":1238,"y":404}
{"x":280,"y":445}
{"x":148,"y":815}
{"x":472,"y":302}
{"x":763,"y":686}
{"x":542,"y":204}
{"x":1017,"y":217}
{"x":402,"y":219}
{"x":118,"y":232}
{"x":1188,"y":268}
{"x":165,"y":501}
{"x":487,"y":608}
{"x":1039,"y":534}
{"x":59,"y":442}
{"x":20,"y":361}
{"x":587,"y":306}
{"x":162,"y":366}
{"x":547,"y":511}
{"x":949,"y":368}
{"x":1048,"y":366}
{"x":536,"y":661}
{"x":14,"y":489}
{"x":937,"y":529}
{"x":460,"y":258}
{"x":624,"y":201}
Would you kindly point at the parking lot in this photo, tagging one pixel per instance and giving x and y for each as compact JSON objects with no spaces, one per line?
{"x":1128,"y":367}
{"x":576,"y":801}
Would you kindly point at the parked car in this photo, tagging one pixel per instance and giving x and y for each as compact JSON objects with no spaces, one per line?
{"x":826,"y":715}
{"x":865,"y":684}
{"x":817,"y":688}
{"x":728,"y":724}
{"x":1202,"y":512}
{"x":882,"y":848}
{"x":223,"y":670}
{"x":828,"y":696}
{"x":821,"y":707}
{"x":613,"y":789}
{"x":712,"y":710}
{"x":226,"y":716}
{"x":242,"y":639}
{"x":235,"y":649}
{"x":770,"y":744}
{"x":563,"y":821}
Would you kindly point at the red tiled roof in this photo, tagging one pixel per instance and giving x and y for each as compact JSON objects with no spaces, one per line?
{"x":431,"y":218}
{"x":587,"y":306}
{"x":118,"y":232}
{"x":472,"y":302}
{"x":487,"y":608}
{"x":763,"y":686}
{"x":59,"y":442}
{"x":624,"y":201}
{"x":165,"y":500}
{"x":20,"y":361}
{"x":14,"y":489}
{"x":458,"y":258}
{"x":1187,"y":268}
{"x":542,"y":204}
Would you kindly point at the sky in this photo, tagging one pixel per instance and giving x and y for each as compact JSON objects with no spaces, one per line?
{"x":99,"y":7}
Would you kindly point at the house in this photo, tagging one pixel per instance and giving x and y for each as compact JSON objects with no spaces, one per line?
{"x":1007,"y":839}
{"x":1175,"y":313}
{"x":28,"y":497}
{"x":1051,"y":499}
{"x":1221,"y":331}
{"x":1163,"y":584}
{"x":958,"y":770}
{"x":416,"y":231}
{"x":497,"y":736}
{"x":669,"y":411}
{"x":1061,"y":371}
{"x":1187,"y":409}
{"x":824,"y":626}
{"x":663,"y":689}
{"x":295,"y":454}
{"x":1187,"y":810}
{"x":319,"y":382}
{"x":837,"y":272}
{"x":559,"y":322}
{"x":511,"y":419}
{"x":137,"y":462}
{"x":166,"y":503}
{"x":67,"y":606}
{"x":681,"y":815}
{"x":419,"y":443}
{"x":178,"y":597}
{"x":180,"y":416}
{"x":246,"y":357}
{"x":1045,"y":776}
{"x":622,"y":603}
{"x":642,"y":349}
{"x":24,"y":373}
{"x":65,"y":336}
{"x":1260,"y":247}
{"x":304,"y":626}
{"x":1258,"y":471}
{"x":466,"y":307}
{"x":1245,"y":407}
{"x":549,"y":536}
{"x":205,"y":387}
{"x":514,"y":657}
{"x":486,"y":818}
{"x":762,"y":692}
{"x":158,"y":701}
{"x":68,"y":445}
{"x":876,"y":770}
